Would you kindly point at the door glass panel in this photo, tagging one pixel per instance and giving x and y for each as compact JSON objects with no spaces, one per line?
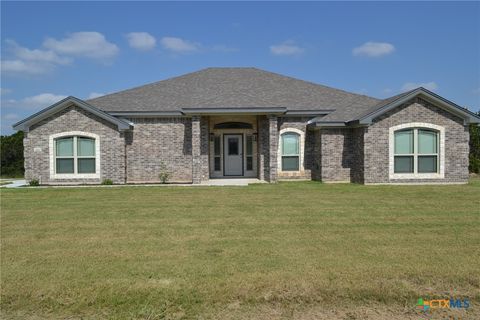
{"x":64,"y":147}
{"x":233,"y":146}
{"x":404,"y":142}
{"x":427,"y":164}
{"x":64,"y":165}
{"x":403,"y":164}
{"x":216,"y":145}
{"x":290,"y":163}
{"x":249,"y":145}
{"x":427,"y":142}
{"x":249,"y":163}
{"x":85,"y":147}
{"x":290,"y":144}
{"x":86,"y":165}
{"x":217,"y":164}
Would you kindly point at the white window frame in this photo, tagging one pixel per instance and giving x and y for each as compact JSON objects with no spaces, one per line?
{"x":53,"y":137}
{"x":440,"y":174}
{"x":301,"y":137}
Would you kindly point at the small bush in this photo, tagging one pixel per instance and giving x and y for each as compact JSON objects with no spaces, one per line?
{"x":107,"y":182}
{"x":164,"y":173}
{"x":34,"y":183}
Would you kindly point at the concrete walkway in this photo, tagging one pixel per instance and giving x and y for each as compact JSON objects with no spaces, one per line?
{"x":231,"y":182}
{"x":236,"y":182}
{"x":14,"y":184}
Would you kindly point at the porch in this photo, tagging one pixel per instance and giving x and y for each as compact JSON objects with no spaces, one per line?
{"x":234,"y":146}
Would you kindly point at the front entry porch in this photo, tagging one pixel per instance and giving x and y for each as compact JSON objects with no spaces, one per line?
{"x":233,"y":146}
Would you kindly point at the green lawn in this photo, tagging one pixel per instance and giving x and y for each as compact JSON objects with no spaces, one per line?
{"x":291,"y":250}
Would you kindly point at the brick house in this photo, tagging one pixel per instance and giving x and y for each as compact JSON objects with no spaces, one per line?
{"x":245,"y":122}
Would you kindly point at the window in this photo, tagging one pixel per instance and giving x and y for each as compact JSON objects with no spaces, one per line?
{"x":249,"y":153}
{"x":75,"y":155}
{"x":233,"y":146}
{"x":216,"y":158}
{"x":416,"y":150}
{"x":290,"y":148}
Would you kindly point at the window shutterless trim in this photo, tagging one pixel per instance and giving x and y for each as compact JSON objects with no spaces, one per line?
{"x":52,"y":152}
{"x":415,"y":126}
{"x":301,"y":149}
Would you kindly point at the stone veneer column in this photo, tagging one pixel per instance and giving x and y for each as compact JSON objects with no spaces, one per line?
{"x":196,"y":152}
{"x":273,"y":148}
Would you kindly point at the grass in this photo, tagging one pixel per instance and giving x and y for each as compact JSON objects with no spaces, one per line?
{"x":263,"y":251}
{"x":2,"y":183}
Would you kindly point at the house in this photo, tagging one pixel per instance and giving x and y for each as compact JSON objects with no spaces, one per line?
{"x":246,"y":122}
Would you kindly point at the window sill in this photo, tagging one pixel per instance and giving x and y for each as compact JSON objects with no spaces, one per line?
{"x":76,"y":176}
{"x":404,"y":176}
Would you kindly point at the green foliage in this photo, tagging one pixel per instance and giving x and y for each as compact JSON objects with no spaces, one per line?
{"x":11,"y":154}
{"x":107,"y":182}
{"x":474,"y":165}
{"x":34,"y":183}
{"x":164,"y":173}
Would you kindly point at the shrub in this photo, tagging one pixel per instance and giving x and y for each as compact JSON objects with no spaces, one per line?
{"x":474,"y":165}
{"x":34,"y":183}
{"x":164,"y":173}
{"x":107,"y":182}
{"x":11,"y":155}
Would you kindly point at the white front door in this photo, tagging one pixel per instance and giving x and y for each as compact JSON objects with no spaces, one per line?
{"x":233,"y":154}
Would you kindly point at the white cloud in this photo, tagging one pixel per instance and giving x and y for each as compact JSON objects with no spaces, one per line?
{"x":40,"y":100}
{"x":37,"y":55}
{"x":179,"y":45}
{"x":286,"y":48}
{"x":27,"y":61}
{"x":432,"y":86}
{"x":94,"y":95}
{"x":374,"y":49}
{"x":83,"y":44}
{"x":25,"y":67}
{"x":4,"y":91}
{"x":31,"y":61}
{"x":141,"y":40}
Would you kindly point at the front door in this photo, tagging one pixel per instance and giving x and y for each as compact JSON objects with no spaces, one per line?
{"x":233,"y":154}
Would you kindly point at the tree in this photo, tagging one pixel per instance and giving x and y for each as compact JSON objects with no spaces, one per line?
{"x":11,"y":155}
{"x":474,"y":165}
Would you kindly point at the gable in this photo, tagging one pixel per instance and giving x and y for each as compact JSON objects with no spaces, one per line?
{"x":424,"y":94}
{"x":68,"y":102}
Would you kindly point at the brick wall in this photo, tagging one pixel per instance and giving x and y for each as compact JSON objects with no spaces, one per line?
{"x":336,"y":153}
{"x":37,"y":149}
{"x":157,"y":140}
{"x":376,"y":139}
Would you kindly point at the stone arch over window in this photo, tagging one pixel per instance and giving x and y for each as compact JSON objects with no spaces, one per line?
{"x":74,"y":155}
{"x":417,"y":151}
{"x":291,"y":150}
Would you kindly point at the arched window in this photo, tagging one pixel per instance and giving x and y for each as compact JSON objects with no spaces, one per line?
{"x":290,"y":149}
{"x":417,"y":151}
{"x":74,"y":155}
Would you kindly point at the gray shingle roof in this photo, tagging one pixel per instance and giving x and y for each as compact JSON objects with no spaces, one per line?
{"x":234,"y":88}
{"x":354,"y":113}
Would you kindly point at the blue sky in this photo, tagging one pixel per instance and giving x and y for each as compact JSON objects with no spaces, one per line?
{"x":51,"y":49}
